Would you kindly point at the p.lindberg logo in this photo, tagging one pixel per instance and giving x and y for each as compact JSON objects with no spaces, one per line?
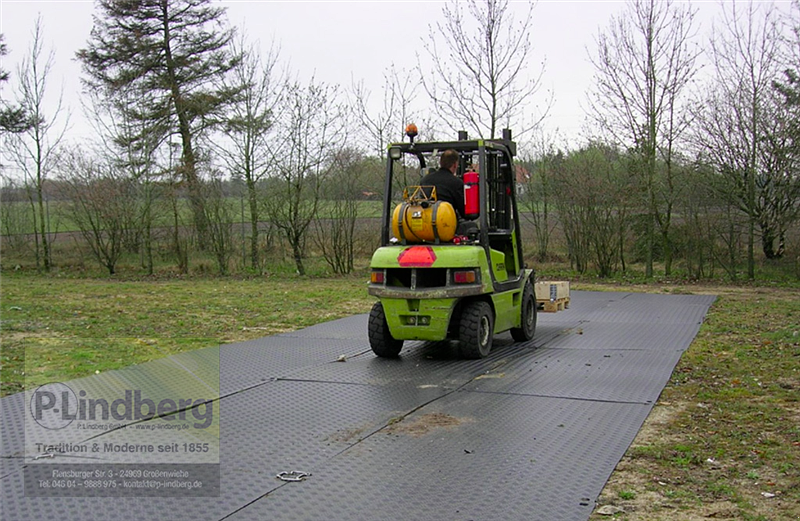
{"x":55,"y":406}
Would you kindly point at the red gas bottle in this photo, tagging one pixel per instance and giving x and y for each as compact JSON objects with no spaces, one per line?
{"x":471,"y":195}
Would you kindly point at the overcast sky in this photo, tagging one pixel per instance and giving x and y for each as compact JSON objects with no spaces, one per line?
{"x":339,"y":41}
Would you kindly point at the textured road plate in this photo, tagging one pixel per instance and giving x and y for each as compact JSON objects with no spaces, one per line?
{"x":652,"y":336}
{"x":531,"y":432}
{"x":470,"y":456}
{"x":251,"y":363}
{"x":601,"y":375}
{"x":348,"y":328}
{"x":12,"y":434}
{"x":276,"y":427}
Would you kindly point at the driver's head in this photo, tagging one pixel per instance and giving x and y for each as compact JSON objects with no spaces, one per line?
{"x":449,"y":160}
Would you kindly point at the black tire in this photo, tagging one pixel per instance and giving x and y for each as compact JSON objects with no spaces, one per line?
{"x":476,"y":330}
{"x":381,"y":340}
{"x":528,"y":308}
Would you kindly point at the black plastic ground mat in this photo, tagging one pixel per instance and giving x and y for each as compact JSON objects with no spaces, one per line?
{"x":12,"y":435}
{"x":251,"y":363}
{"x":470,"y":456}
{"x":623,"y":376}
{"x":531,"y":432}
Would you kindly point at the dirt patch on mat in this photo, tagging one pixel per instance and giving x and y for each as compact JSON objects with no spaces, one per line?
{"x":347,"y":435}
{"x":426,"y":423}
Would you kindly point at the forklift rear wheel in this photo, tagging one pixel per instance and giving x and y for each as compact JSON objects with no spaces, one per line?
{"x":381,"y":340}
{"x":476,"y":330}
{"x":528,"y":309}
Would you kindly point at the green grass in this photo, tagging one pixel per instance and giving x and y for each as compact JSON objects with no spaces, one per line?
{"x":55,"y":329}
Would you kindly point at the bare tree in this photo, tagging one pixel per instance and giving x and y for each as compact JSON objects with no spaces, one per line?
{"x":335,"y":225}
{"x":643,"y":66}
{"x":788,"y":85}
{"x":697,"y":209}
{"x":305,"y":143}
{"x":131,"y":145}
{"x":745,"y":49}
{"x":783,"y":147}
{"x":778,"y":177}
{"x":179,"y":237}
{"x":102,"y":204}
{"x":33,"y":151}
{"x":591,"y":193}
{"x":479,"y":74}
{"x":537,"y":191}
{"x":219,"y":216}
{"x":248,"y":127}
{"x":386,"y":124}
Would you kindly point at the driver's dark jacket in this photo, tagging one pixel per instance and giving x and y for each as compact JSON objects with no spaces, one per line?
{"x":448,"y":188}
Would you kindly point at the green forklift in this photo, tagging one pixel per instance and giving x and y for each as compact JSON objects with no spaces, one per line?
{"x":438,"y":279}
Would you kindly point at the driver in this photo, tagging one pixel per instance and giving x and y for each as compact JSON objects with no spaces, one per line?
{"x":449,"y":187}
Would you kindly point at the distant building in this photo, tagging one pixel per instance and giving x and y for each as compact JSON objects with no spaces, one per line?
{"x":523,"y":177}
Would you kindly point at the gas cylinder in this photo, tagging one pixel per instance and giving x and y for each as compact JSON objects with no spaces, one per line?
{"x":428,"y":221}
{"x":471,"y":195}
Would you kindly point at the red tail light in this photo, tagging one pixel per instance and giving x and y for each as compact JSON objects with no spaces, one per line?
{"x":464,"y":277}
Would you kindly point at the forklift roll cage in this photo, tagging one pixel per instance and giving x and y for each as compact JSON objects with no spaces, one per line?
{"x":498,"y":221}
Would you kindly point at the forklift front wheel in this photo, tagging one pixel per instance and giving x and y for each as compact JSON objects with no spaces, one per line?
{"x":527,"y":327}
{"x":381,"y":340}
{"x":476,"y":330}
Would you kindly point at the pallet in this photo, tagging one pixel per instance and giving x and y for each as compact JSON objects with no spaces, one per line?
{"x":552,"y":296}
{"x":551,"y":306}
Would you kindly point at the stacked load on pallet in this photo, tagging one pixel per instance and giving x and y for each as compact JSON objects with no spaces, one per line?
{"x":552,"y":296}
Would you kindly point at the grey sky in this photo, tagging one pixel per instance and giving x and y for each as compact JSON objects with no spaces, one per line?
{"x":339,"y":40}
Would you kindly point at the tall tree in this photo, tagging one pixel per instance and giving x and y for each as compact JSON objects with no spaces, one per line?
{"x":34,"y":150}
{"x":248,"y":127}
{"x":479,"y":74}
{"x":177,"y":50}
{"x":789,"y":84}
{"x":738,"y":111}
{"x":305,"y":144}
{"x":644,"y":63}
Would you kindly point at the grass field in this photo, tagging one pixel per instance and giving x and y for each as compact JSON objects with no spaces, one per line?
{"x":723,"y":441}
{"x":55,"y":329}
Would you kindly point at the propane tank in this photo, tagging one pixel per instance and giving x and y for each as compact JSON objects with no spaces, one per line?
{"x":427,"y":221}
{"x":471,"y":195}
